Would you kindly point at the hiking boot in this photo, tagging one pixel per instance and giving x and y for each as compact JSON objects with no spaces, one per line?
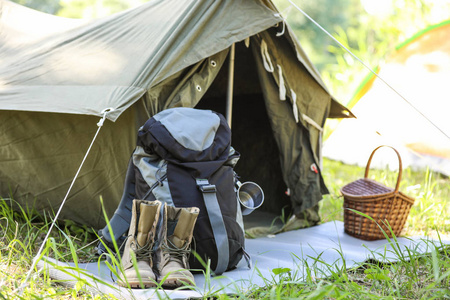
{"x":140,"y":241}
{"x":172,"y":254}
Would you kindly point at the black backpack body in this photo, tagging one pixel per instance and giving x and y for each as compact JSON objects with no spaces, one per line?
{"x":184,"y":158}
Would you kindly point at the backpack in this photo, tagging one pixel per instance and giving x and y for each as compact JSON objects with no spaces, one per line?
{"x":184,"y":158}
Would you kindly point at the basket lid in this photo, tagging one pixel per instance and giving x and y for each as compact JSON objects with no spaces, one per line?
{"x":365,"y":187}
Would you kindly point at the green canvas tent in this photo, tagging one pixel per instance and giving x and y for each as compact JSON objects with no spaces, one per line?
{"x":57,"y":75}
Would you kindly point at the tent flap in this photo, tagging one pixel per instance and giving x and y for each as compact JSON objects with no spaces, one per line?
{"x":293,"y":139}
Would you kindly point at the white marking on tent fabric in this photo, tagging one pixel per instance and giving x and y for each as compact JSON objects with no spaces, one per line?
{"x":294,"y":105}
{"x":35,"y":259}
{"x":266,"y":58}
{"x":281,"y":84}
{"x":367,"y":67}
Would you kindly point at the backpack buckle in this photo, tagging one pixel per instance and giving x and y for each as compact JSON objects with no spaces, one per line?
{"x":204,"y":186}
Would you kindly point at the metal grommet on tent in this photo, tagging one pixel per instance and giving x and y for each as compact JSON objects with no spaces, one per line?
{"x":199,"y":88}
{"x":107,"y":110}
{"x":104,"y":113}
{"x":213,"y":63}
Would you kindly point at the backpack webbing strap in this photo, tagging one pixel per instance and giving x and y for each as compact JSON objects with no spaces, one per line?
{"x":120,"y":221}
{"x":217,"y":224}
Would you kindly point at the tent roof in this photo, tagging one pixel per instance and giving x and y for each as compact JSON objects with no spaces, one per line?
{"x":84,"y":67}
{"x":62,"y":65}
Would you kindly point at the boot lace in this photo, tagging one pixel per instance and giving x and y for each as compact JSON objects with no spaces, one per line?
{"x":176,"y":254}
{"x":143,"y":253}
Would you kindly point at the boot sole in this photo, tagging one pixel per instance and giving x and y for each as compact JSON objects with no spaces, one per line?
{"x":176,"y":282}
{"x":137,"y":285}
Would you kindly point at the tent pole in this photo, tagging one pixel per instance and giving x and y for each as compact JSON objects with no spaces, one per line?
{"x":230,"y":85}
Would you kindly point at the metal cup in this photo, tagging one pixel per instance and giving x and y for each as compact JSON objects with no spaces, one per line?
{"x":250,"y":196}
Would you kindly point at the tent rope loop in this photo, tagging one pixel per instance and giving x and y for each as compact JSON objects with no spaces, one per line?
{"x":312,"y":122}
{"x":247,"y":42}
{"x":39,"y":253}
{"x":282,"y":30}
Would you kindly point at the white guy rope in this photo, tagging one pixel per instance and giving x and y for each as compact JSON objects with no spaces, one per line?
{"x":365,"y":65}
{"x":33,"y":265}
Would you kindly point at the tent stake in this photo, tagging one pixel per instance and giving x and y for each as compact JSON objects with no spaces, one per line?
{"x":230,"y":85}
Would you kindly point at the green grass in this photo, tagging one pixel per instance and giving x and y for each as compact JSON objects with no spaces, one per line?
{"x":414,"y":276}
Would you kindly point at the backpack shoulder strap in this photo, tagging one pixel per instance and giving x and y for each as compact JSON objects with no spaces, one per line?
{"x":120,"y":221}
{"x":218,"y":226}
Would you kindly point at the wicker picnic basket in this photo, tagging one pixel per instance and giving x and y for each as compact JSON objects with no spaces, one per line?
{"x":383,"y":204}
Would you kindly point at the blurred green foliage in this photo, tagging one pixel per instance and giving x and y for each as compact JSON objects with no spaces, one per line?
{"x":47,"y":6}
{"x":89,"y":9}
{"x":369,"y":29}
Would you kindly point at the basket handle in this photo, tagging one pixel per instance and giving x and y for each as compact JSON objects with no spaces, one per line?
{"x":399,"y":178}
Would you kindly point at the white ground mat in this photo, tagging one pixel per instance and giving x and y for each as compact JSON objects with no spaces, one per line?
{"x":323,"y":248}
